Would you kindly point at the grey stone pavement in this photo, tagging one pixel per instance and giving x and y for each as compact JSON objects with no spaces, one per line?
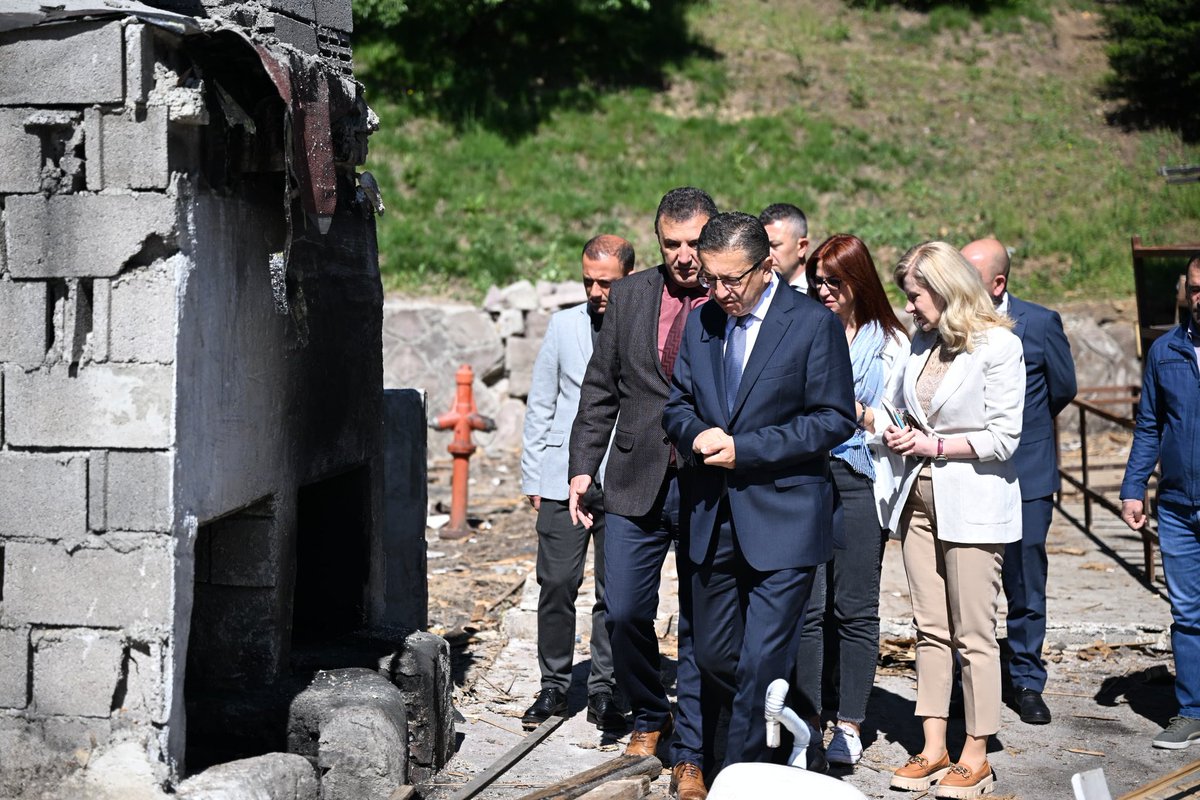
{"x":1109,"y":688}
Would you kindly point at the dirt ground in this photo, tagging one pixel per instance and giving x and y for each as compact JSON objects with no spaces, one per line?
{"x":1110,"y":682}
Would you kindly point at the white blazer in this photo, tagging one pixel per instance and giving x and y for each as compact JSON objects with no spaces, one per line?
{"x":982,"y":399}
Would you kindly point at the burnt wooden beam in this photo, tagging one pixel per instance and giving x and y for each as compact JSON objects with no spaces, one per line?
{"x":581,"y":783}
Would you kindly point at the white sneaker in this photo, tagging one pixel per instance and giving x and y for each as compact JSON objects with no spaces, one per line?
{"x":845,"y":747}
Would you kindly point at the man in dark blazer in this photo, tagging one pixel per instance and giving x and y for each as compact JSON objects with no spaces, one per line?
{"x":763,"y":389}
{"x":622,"y":397}
{"x":1049,"y":388}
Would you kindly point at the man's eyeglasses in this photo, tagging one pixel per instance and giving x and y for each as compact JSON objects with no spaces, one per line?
{"x":733,"y":282}
{"x":834,"y":284}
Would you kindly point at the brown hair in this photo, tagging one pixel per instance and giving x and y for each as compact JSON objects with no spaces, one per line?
{"x":845,"y":256}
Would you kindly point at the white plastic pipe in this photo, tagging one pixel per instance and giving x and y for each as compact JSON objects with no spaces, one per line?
{"x":777,"y":712}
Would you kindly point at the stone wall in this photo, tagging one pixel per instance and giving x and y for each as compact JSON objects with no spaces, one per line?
{"x":424,"y":343}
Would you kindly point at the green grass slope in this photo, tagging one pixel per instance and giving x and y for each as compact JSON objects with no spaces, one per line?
{"x":893,"y":125}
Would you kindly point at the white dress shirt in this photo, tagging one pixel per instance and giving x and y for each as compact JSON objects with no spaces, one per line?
{"x":756,"y":317}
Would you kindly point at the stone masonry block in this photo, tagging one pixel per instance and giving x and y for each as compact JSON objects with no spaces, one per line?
{"x":126,"y":153}
{"x":335,"y":14}
{"x":421,"y":670}
{"x":126,"y":406}
{"x":519,"y":355}
{"x":66,"y":64}
{"x":43,"y":495}
{"x":23,"y":322}
{"x":82,"y":235}
{"x":274,"y":776}
{"x":137,"y":491}
{"x":14,"y":667}
{"x":75,"y":671}
{"x":244,"y":552}
{"x":46,"y":585}
{"x":352,"y":724}
{"x":142,"y":314}
{"x":21,"y":167}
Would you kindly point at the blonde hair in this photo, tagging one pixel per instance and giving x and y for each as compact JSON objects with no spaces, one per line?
{"x":969,"y":310}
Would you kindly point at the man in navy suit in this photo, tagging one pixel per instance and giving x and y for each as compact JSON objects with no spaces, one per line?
{"x":1049,"y":388}
{"x":762,"y":391}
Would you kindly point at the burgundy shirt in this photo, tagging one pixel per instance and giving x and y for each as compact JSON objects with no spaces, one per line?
{"x":673,"y":298}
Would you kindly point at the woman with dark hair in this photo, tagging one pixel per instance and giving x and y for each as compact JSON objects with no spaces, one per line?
{"x":845,"y":595}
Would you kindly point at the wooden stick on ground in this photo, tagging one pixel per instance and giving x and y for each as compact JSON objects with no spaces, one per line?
{"x":583,"y":782}
{"x":506,"y":761}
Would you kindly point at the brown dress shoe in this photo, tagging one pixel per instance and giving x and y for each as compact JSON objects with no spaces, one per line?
{"x":645,"y":743}
{"x":687,"y":782}
{"x":919,"y":773}
{"x":963,"y":783}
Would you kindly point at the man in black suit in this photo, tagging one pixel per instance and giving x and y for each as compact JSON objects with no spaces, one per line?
{"x":763,"y":390}
{"x":622,"y":398}
{"x":1049,"y":388}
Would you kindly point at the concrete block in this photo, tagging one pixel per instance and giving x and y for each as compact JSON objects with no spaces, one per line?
{"x":43,"y":495}
{"x":23,"y":322}
{"x":97,"y":343}
{"x":139,"y":63}
{"x":75,"y":671}
{"x":519,"y":355}
{"x":126,"y":153}
{"x":136,"y":491}
{"x":21,"y":167}
{"x":302,"y":9}
{"x":336,"y":14}
{"x":68,"y":734}
{"x":46,"y":585}
{"x":63,"y":65}
{"x":241,"y":628}
{"x":405,"y":498}
{"x":275,"y":776}
{"x":244,"y":551}
{"x":14,"y":667}
{"x":352,"y":724}
{"x":421,"y":670}
{"x":83,"y":235}
{"x":301,"y":35}
{"x":126,"y":406}
{"x":142,"y":316}
{"x":145,"y":679}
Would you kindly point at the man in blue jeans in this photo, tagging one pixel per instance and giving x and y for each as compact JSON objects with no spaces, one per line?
{"x":1168,"y":432}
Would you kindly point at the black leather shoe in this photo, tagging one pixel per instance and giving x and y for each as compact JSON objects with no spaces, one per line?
{"x":549,"y":703}
{"x":1031,"y":707}
{"x":604,"y":713}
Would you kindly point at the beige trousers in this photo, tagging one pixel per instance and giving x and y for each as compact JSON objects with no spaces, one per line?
{"x":954,"y":589}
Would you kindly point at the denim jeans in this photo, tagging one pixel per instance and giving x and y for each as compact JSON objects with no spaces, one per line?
{"x":1179,"y":538}
{"x":843,"y":610}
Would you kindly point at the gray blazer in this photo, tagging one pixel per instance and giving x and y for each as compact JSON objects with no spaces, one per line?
{"x":553,"y":401}
{"x":623,"y":395}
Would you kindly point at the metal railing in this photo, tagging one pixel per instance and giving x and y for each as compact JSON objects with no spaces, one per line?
{"x":1097,"y":398}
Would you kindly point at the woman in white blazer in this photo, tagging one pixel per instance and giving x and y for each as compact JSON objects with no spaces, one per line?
{"x":962,"y":391}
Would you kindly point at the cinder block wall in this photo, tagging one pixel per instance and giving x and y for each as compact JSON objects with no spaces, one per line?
{"x":88,"y":320}
{"x":149,"y":388}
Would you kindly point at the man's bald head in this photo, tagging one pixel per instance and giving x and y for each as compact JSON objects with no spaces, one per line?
{"x":990,"y":259}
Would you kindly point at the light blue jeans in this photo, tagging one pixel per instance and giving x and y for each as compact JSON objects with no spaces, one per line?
{"x":1179,"y":538}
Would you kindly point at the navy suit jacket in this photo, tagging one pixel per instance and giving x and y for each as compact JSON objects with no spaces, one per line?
{"x":795,"y":402}
{"x":1049,"y":388}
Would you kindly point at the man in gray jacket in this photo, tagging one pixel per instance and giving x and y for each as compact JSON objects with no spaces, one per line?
{"x":562,"y":544}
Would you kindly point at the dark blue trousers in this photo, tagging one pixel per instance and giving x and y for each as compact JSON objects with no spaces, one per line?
{"x":1024,"y":574}
{"x":747,"y":629}
{"x":634,"y":551}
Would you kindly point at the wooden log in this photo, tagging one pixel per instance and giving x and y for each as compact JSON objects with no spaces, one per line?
{"x":506,"y":761}
{"x":624,"y":789}
{"x":616,"y":769}
{"x":1179,"y":783}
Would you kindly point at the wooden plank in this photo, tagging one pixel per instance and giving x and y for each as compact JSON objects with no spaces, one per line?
{"x":1172,"y":781}
{"x":616,"y":769}
{"x":506,"y":761}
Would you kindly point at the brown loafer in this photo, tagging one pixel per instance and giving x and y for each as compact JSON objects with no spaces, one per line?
{"x":963,"y":782}
{"x":645,"y":743}
{"x":919,"y":773}
{"x":687,"y":782}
